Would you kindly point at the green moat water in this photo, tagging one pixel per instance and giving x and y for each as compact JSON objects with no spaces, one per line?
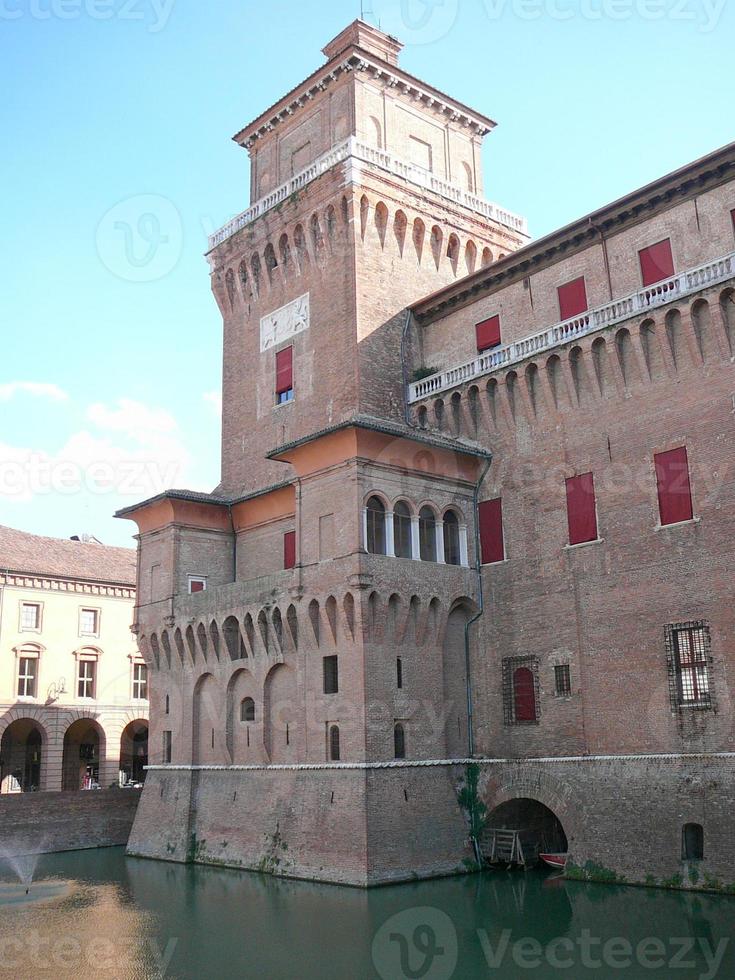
{"x":131,"y":919}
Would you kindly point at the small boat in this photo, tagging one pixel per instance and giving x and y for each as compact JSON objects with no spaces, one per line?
{"x":554,"y":860}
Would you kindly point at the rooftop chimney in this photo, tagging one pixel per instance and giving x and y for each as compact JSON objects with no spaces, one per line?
{"x":369,"y":38}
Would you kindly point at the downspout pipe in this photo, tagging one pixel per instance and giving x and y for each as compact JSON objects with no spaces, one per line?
{"x":404,"y":366}
{"x":467,"y":625}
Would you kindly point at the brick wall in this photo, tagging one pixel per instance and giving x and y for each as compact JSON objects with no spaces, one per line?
{"x":46,"y":822}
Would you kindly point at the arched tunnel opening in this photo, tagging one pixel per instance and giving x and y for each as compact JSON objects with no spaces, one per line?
{"x":530,"y":815}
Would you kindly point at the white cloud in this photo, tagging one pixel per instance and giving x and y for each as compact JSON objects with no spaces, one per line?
{"x":214,"y":399}
{"x":135,"y":420}
{"x":36,"y":389}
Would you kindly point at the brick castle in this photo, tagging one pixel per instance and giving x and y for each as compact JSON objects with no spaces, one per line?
{"x":476,"y":504}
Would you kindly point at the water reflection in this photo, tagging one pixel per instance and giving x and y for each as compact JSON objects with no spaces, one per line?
{"x":131,"y":918}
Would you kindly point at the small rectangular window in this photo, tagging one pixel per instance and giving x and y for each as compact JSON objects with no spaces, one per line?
{"x":284,"y":375}
{"x":289,"y":549}
{"x":657,"y":262}
{"x":562,"y":680}
{"x":581,"y":508}
{"x":140,"y":682}
{"x":89,"y":624}
{"x":487,"y":333}
{"x":30,"y":616}
{"x":673,"y":487}
{"x":331,"y":675}
{"x":688,"y":647}
{"x":197,"y":584}
{"x":572,"y":299}
{"x":399,"y":673}
{"x":492,"y":545}
{"x":87,"y":678}
{"x":166,"y":746}
{"x":27,"y":677}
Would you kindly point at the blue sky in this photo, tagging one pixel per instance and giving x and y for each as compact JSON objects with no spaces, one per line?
{"x":116,"y":123}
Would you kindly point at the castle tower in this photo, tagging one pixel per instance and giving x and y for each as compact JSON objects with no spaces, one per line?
{"x":366,"y":194}
{"x":304,"y":624}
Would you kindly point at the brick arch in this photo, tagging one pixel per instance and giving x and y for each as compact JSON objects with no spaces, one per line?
{"x":270,"y":261}
{"x":727,"y":315}
{"x":419,"y":237}
{"x":381,"y":221}
{"x":400,"y":225}
{"x":25,"y":712}
{"x":529,"y":782}
{"x":470,"y":256}
{"x":230,"y":286}
{"x":284,"y":251}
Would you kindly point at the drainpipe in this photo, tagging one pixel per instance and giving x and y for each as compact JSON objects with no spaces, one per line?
{"x":470,"y":622}
{"x":404,"y":366}
{"x":481,"y":609}
{"x":234,"y":544}
{"x":603,"y":242}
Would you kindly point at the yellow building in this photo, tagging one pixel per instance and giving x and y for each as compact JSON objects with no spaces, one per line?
{"x":73,"y":687}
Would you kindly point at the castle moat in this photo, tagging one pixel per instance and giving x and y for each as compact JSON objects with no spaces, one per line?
{"x":135,"y":919}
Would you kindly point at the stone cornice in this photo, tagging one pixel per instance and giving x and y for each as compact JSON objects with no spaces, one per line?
{"x":359,"y":60}
{"x":690,"y":181}
{"x":22,"y":580}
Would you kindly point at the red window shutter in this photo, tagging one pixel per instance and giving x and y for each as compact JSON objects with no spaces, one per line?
{"x":284,"y":370}
{"x":572,"y":299}
{"x":657,"y":263}
{"x":488,"y":333}
{"x":674,"y":491}
{"x":196,"y":586}
{"x":581,"y":510}
{"x":524,"y":694}
{"x":289,"y":549}
{"x":491,"y":531}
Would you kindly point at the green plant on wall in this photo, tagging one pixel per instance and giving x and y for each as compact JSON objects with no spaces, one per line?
{"x":423,"y":372}
{"x":474,"y":809}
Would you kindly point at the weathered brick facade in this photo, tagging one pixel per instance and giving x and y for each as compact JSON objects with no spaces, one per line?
{"x":364,"y":200}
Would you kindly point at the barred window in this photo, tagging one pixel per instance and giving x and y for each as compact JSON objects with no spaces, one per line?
{"x":688,"y":650}
{"x":562,"y":680}
{"x":520,"y":691}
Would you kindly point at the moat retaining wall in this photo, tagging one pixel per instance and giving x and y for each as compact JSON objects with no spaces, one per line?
{"x":368,"y":825}
{"x":33,"y":823}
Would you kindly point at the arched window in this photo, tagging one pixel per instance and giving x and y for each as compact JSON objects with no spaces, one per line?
{"x":427,"y":534}
{"x":452,"y":554}
{"x":692,"y":842}
{"x":334,"y":743}
{"x":399,"y":741}
{"x":524,"y":694}
{"x":247,"y":709}
{"x":402,"y":530}
{"x":375,"y":526}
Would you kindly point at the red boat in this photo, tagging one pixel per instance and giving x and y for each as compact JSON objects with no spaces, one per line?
{"x":554,"y":860}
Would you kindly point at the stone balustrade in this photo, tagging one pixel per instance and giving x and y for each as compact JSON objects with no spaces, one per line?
{"x":361,"y":152}
{"x":678,"y":286}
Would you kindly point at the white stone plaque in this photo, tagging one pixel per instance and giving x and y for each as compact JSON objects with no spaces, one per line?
{"x":286,"y":322}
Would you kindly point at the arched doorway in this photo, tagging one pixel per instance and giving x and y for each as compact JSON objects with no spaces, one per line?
{"x":528,"y":814}
{"x":21,"y":752}
{"x":134,"y":752}
{"x":83,"y":748}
